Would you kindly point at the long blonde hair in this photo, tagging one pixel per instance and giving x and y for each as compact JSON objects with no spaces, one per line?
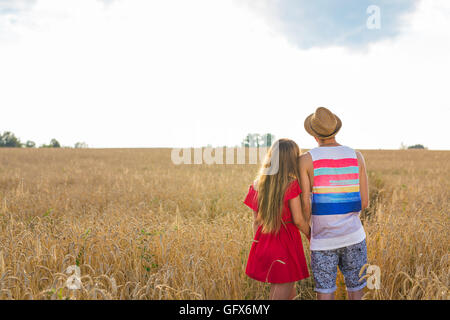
{"x":272,"y":187}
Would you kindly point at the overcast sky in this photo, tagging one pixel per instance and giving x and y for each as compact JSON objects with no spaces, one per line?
{"x":176,"y":73}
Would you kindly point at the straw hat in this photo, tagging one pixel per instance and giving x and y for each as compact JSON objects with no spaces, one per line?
{"x":323,"y":123}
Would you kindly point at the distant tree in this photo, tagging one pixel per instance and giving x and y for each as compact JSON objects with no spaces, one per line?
{"x":257,"y":140}
{"x":81,"y":145}
{"x":9,"y":140}
{"x":267,"y":139}
{"x":416,"y":146}
{"x":247,"y":140}
{"x":403,"y":146}
{"x":30,"y":144}
{"x":53,"y":144}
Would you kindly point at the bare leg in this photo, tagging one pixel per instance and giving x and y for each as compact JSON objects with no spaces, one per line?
{"x":293,"y":293}
{"x":271,"y":292}
{"x":325,"y":296}
{"x":281,"y":291}
{"x":355,"y":295}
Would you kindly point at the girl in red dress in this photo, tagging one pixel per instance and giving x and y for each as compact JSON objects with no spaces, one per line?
{"x":276,"y":255}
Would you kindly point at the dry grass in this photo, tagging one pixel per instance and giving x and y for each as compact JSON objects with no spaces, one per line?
{"x":140,"y":227}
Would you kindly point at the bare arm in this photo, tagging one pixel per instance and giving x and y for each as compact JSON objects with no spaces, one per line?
{"x":363,"y":181}
{"x":297,"y":215}
{"x":255,"y":214}
{"x":255,"y":223}
{"x":306,"y":185}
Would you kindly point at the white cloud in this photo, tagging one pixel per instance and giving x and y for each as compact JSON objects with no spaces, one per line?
{"x":325,"y":23}
{"x":174,"y":73}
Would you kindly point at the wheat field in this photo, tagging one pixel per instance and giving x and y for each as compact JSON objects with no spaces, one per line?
{"x":140,"y":227}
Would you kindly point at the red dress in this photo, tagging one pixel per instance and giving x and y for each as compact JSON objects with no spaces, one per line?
{"x":277,"y":258}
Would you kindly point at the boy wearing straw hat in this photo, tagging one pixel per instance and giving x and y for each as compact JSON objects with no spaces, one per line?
{"x":334,"y":183}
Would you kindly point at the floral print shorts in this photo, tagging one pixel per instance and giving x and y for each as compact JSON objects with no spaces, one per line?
{"x":350,"y":260}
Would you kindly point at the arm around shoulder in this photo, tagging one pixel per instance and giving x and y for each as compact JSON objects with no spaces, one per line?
{"x":306,"y":184}
{"x":297,"y":216}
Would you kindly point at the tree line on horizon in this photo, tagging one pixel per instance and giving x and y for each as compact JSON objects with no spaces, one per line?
{"x":416,"y":146}
{"x":9,"y":140}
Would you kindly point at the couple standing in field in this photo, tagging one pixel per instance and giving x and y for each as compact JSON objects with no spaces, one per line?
{"x":320,"y":193}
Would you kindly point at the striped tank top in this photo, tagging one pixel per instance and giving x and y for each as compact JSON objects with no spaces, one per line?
{"x":336,"y":201}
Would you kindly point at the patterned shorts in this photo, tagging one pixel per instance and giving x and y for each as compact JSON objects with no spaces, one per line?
{"x":350,"y":260}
